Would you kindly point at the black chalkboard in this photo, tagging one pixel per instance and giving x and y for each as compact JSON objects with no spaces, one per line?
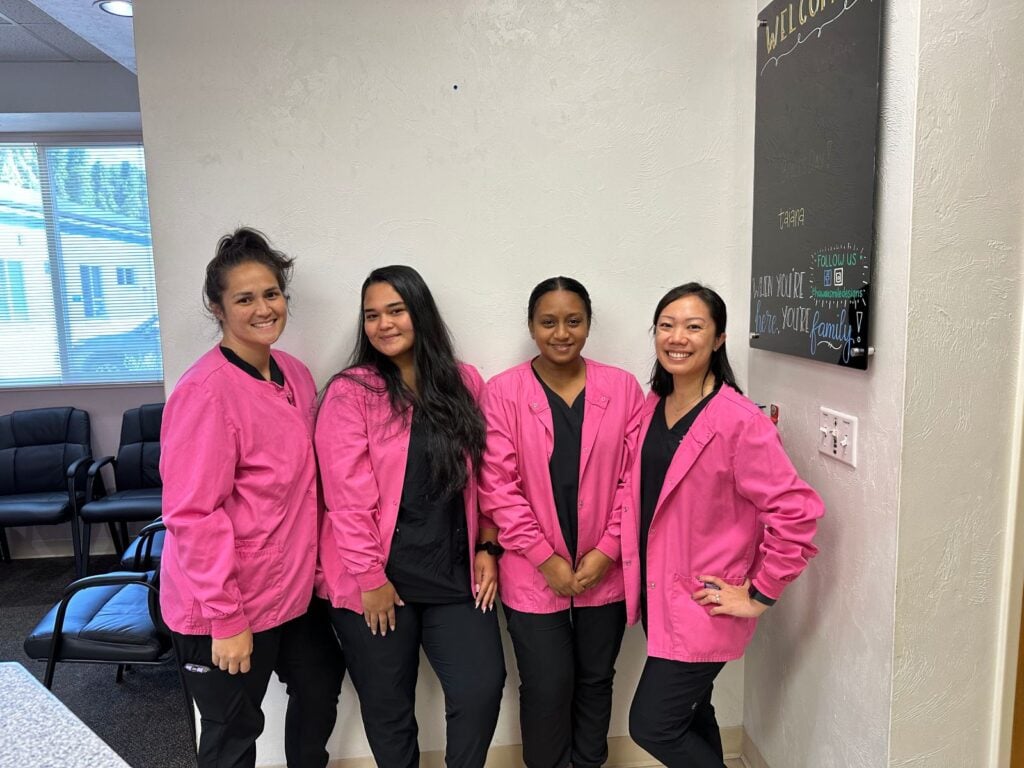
{"x":816,"y":128}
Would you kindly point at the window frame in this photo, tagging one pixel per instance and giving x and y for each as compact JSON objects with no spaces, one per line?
{"x":62,"y":140}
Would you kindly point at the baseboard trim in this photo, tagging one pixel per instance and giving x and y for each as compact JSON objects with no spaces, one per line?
{"x":622,"y":753}
{"x":752,"y":755}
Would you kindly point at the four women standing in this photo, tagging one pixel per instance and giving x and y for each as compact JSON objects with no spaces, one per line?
{"x":682,"y":512}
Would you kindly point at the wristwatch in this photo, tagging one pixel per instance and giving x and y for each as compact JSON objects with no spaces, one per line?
{"x":491,"y":548}
{"x":755,"y":594}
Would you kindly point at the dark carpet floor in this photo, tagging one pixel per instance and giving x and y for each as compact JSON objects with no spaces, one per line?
{"x":143,"y":719}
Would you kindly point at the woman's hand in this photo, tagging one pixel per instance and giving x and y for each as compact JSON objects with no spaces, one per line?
{"x":729,"y":600}
{"x":592,"y":568}
{"x":560,"y":576}
{"x":231,"y":654}
{"x":485,"y":573}
{"x":379,"y":608}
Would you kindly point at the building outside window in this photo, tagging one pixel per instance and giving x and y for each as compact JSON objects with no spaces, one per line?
{"x":77,"y":289}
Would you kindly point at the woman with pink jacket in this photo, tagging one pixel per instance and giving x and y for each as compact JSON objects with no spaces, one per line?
{"x":240,"y":505}
{"x":561,"y":431}
{"x":408,"y":561}
{"x":719,"y":524}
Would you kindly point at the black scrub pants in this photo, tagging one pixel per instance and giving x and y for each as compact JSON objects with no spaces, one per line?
{"x":566,"y":666}
{"x":672,"y":717}
{"x":463,"y":646}
{"x":305,"y":654}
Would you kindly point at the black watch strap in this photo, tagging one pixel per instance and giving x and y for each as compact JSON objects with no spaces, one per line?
{"x":491,"y":548}
{"x":761,"y":598}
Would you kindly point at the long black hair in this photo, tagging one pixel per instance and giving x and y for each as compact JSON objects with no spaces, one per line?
{"x":661,"y":380}
{"x":444,"y":406}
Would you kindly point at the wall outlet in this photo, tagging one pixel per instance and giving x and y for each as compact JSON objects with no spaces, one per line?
{"x":837,"y":435}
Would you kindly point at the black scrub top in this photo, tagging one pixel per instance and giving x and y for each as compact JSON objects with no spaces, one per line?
{"x":564,"y":466}
{"x":656,"y":455}
{"x":428,"y":561}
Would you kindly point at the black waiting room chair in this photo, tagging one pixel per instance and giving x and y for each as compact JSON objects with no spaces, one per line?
{"x":109,"y":618}
{"x":138,"y":489}
{"x":44,"y":457}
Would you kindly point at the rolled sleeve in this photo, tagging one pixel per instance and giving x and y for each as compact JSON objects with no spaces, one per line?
{"x":787,"y":506}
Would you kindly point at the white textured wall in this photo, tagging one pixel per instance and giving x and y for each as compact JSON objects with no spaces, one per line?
{"x":962,"y":360}
{"x":818,"y":674}
{"x":609,"y":141}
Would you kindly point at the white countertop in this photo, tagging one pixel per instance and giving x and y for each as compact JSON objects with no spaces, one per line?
{"x":38,"y":731}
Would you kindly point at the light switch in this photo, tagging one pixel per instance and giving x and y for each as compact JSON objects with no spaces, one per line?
{"x":837,"y":435}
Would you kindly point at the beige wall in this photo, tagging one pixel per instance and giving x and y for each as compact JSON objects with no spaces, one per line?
{"x":609,"y":141}
{"x":817,"y":688}
{"x":963,"y":346}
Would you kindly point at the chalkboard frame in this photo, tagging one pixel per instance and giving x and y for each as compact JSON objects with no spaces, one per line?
{"x":815,"y":149}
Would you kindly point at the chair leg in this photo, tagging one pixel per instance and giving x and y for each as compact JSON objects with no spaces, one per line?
{"x":115,"y":538}
{"x":119,"y":678}
{"x":83,"y":549}
{"x":51,"y":665}
{"x":5,"y":548}
{"x":123,"y":544}
{"x":76,"y":544}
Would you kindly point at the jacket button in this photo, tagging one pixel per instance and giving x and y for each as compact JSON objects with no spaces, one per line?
{"x":650,"y":585}
{"x":627,"y":562}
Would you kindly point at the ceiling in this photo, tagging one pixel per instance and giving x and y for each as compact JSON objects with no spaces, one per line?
{"x":36,"y":31}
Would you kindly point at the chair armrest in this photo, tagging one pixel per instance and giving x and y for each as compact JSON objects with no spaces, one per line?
{"x":101,"y":462}
{"x":152,"y":528}
{"x":76,"y":466}
{"x":91,"y":476}
{"x":105,"y":580}
{"x":74,"y":470}
{"x":144,"y":550}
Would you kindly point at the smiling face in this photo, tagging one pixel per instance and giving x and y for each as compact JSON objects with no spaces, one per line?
{"x":388,"y":324}
{"x":560,"y":327}
{"x":685,"y":336}
{"x":253,"y":309}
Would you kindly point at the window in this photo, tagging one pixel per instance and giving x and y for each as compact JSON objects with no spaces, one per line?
{"x":12,"y":291}
{"x":125,"y":276}
{"x":77,"y":290}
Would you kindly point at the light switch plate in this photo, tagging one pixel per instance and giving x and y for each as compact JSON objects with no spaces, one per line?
{"x":837,"y":435}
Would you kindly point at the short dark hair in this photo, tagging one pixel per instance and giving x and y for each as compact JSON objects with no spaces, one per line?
{"x":661,"y":380}
{"x":240,"y":247}
{"x":559,"y":284}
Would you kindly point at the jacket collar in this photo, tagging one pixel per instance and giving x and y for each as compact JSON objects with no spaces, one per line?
{"x":703,"y":431}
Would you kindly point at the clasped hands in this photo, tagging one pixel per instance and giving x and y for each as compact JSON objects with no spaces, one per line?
{"x":566,"y":582}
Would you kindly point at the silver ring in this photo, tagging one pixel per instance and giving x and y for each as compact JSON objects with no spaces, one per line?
{"x":716,"y":598}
